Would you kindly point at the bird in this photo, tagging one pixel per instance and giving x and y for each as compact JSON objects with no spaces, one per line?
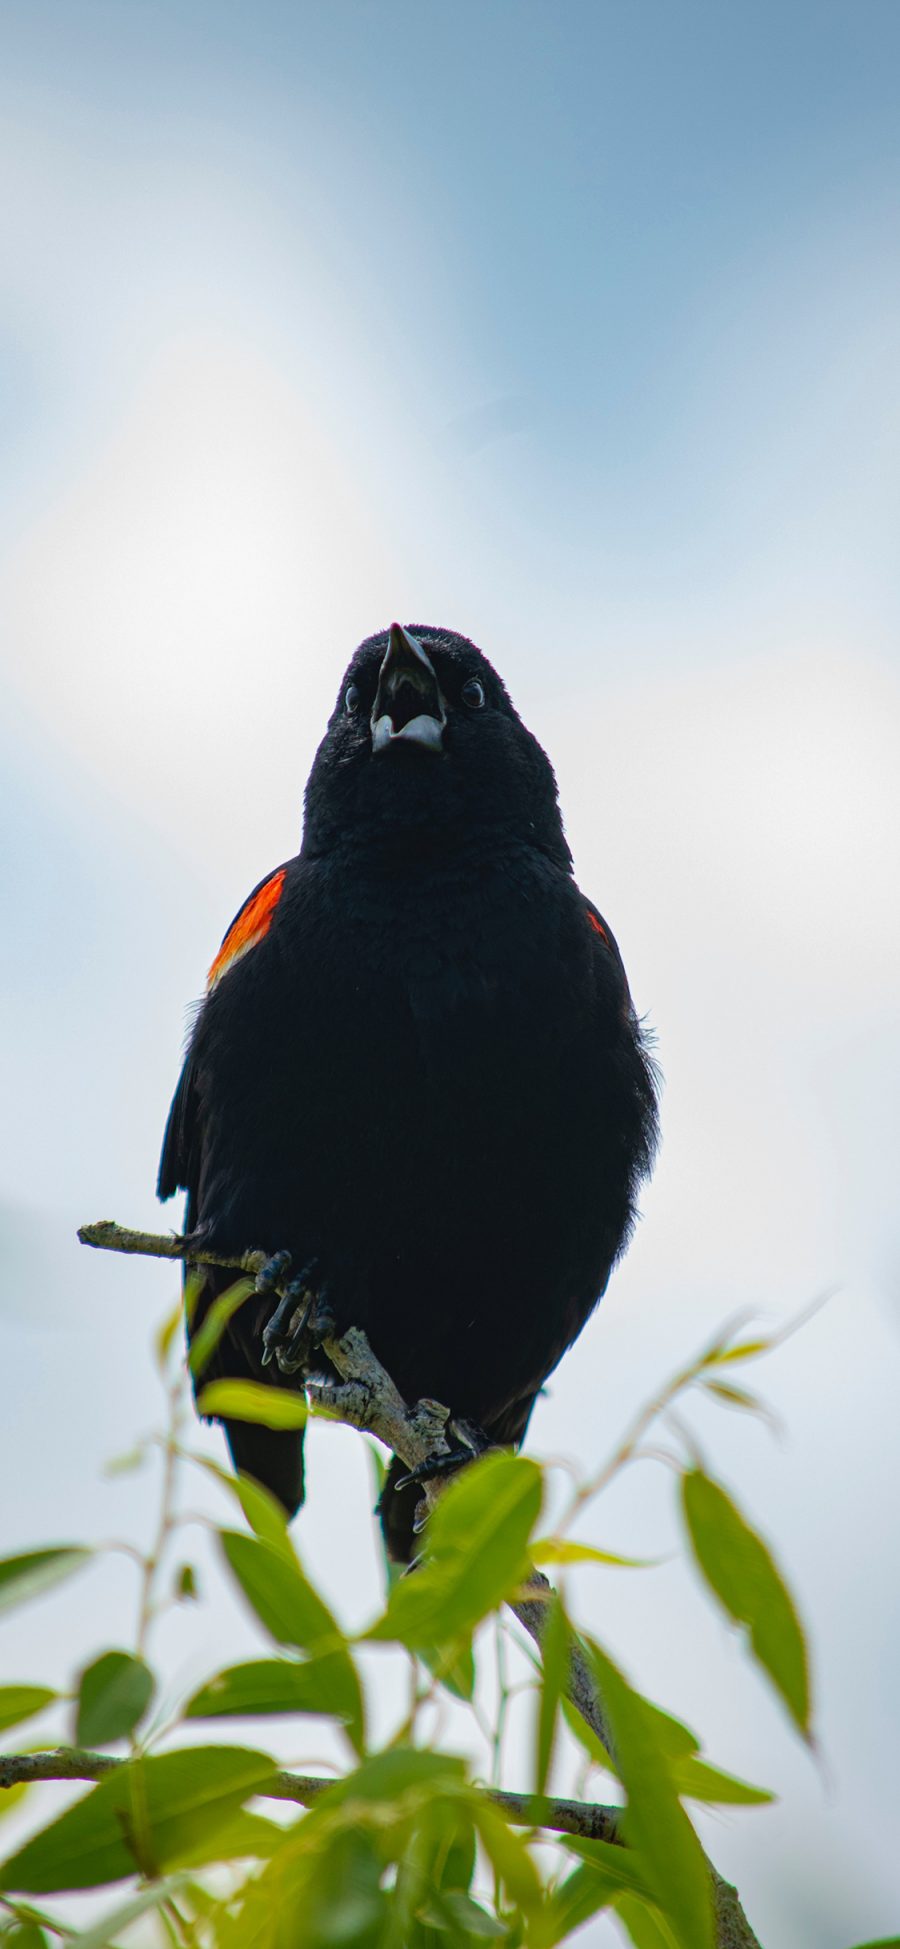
{"x":417,"y":1077}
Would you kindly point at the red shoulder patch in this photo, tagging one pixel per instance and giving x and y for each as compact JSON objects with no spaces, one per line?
{"x":597,"y":925}
{"x":252,"y":923}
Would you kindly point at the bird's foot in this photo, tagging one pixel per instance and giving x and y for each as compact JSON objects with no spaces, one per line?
{"x":271,"y":1275}
{"x":303,"y":1317}
{"x":468,"y":1443}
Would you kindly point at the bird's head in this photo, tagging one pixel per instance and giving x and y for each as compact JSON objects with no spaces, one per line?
{"x":424,"y":743}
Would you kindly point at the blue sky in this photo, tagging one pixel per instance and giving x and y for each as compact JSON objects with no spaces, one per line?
{"x":574,"y":327}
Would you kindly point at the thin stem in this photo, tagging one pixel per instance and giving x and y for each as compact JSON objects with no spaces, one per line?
{"x":181,"y":1927}
{"x":167,"y":1523}
{"x":503,"y":1699}
{"x":419,"y":1696}
{"x":26,"y":1912}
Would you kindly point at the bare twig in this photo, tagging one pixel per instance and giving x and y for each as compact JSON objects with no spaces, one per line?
{"x":365,"y":1397}
{"x":107,"y":1236}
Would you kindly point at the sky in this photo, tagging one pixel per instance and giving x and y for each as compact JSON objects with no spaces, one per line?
{"x":573,"y":327}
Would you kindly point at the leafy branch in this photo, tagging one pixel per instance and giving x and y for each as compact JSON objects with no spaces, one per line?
{"x":394,"y":1836}
{"x":367,"y":1399}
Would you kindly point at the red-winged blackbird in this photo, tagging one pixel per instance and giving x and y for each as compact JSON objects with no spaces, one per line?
{"x":417,"y":1068}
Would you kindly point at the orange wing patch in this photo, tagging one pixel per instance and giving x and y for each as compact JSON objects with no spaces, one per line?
{"x":597,"y":926}
{"x":252,"y":924}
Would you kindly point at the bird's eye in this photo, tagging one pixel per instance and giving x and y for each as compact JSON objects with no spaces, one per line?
{"x":351,"y":699}
{"x":472,"y":694}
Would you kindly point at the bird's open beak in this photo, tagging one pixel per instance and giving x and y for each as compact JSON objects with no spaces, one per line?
{"x":408,"y":702}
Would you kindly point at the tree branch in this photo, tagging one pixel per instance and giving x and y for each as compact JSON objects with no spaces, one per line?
{"x":365,"y":1397}
{"x":592,"y":1822}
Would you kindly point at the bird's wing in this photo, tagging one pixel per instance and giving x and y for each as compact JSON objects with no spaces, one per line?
{"x":273,"y":1457}
{"x":605,"y":944}
{"x":249,"y":926}
{"x":180,"y":1161}
{"x":612,"y":981}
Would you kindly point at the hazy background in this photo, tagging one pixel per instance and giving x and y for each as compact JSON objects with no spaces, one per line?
{"x":574,"y":326}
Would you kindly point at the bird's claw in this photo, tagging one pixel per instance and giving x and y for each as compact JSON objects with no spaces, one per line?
{"x":302,"y":1319}
{"x":468,"y":1443}
{"x":313,"y":1322}
{"x":285,"y":1320}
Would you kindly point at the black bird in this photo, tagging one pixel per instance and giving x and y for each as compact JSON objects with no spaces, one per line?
{"x":417,"y":1068}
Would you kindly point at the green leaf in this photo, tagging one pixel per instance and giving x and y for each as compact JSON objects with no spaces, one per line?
{"x":884,"y":1942}
{"x":455,"y":1863}
{"x":200,"y":1898}
{"x":554,"y":1672}
{"x":743,"y":1350}
{"x":327,"y":1898}
{"x":103,"y":1932}
{"x":18,"y":1702}
{"x":693,"y":1777}
{"x":280,"y":1593}
{"x":586,"y":1736}
{"x":165,"y":1335}
{"x":674,"y":1739}
{"x":647,"y":1928}
{"x":327,"y":1684}
{"x":24,"y":1935}
{"x":655,"y":1823}
{"x":508,"y":1856}
{"x":347,"y":1908}
{"x":149,"y":1815}
{"x":113,"y":1695}
{"x":477,"y":1554}
{"x":606,"y":1873}
{"x":186,"y":1583}
{"x":741,"y":1573}
{"x":696,"y":1780}
{"x":736,"y":1397}
{"x":391,"y":1775}
{"x":242,"y":1837}
{"x":619,"y":1867}
{"x":206,"y":1339}
{"x":572,"y":1903}
{"x":456,"y":1911}
{"x":377,"y":1468}
{"x":292,"y":1611}
{"x":11,"y":1796}
{"x":127,"y":1463}
{"x":192,"y":1292}
{"x":30,"y":1575}
{"x":258,"y":1401}
{"x":323,"y":1886}
{"x":743,"y":1400}
{"x":557,"y":1549}
{"x":263,"y":1512}
{"x":453,"y":1665}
